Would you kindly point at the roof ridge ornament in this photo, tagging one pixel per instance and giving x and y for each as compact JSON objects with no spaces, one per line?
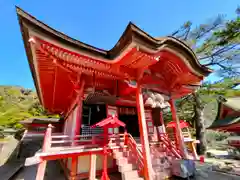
{"x":32,"y":40}
{"x":221,"y":99}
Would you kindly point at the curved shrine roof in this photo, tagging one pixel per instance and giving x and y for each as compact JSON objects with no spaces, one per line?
{"x":132,"y":33}
{"x":230,"y":119}
{"x":167,"y":62}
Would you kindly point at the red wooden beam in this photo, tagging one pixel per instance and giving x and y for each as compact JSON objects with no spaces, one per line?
{"x":39,"y":125}
{"x":56,"y":156}
{"x":54,"y":86}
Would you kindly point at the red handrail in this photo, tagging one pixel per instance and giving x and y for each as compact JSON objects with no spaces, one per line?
{"x":135,"y":151}
{"x":170,"y":146}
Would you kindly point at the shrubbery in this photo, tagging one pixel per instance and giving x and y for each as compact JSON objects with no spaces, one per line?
{"x":216,"y":138}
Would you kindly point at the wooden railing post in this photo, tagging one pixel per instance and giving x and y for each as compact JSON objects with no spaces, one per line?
{"x":47,"y":138}
{"x":46,"y":147}
{"x":125,"y":138}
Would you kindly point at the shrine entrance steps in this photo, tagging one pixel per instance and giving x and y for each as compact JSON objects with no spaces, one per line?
{"x":162,"y":154}
{"x":161,"y":164}
{"x":125,"y":165}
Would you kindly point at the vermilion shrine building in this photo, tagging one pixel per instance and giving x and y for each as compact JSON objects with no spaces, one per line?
{"x":86,"y":85}
{"x":228,"y":119}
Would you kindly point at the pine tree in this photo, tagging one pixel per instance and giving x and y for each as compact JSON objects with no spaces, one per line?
{"x":217,"y":45}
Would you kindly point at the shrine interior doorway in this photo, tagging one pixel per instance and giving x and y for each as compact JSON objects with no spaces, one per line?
{"x":131,"y":122}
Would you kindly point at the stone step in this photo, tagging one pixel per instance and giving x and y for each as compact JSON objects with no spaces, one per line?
{"x":139,"y":178}
{"x":129,"y":175}
{"x":121,"y":161}
{"x":117,"y":155}
{"x":120,"y":154}
{"x":125,"y":168}
{"x":116,"y":144}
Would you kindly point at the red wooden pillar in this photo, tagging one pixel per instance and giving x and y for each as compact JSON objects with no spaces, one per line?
{"x":79,"y":110}
{"x":78,"y":118}
{"x":105,"y":166}
{"x":92,"y":168}
{"x":143,"y":134}
{"x":105,"y":154}
{"x":74,"y":164}
{"x":180,"y":138}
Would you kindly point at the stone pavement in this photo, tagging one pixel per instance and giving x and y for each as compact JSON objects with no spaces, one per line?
{"x":9,"y":169}
{"x":53,"y":171}
{"x":205,"y":172}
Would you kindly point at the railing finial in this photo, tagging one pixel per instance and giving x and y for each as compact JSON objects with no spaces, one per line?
{"x":50,"y":126}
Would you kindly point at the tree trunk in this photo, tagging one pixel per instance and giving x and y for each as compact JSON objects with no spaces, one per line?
{"x":199,"y":124}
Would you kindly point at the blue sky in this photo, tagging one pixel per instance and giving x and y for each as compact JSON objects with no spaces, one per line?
{"x":97,"y":22}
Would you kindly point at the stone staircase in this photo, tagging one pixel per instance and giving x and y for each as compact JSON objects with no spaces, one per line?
{"x":126,"y":165}
{"x":161,"y":162}
{"x":162,"y":154}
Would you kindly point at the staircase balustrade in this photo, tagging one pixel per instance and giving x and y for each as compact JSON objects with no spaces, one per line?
{"x":136,"y":153}
{"x":169,"y":145}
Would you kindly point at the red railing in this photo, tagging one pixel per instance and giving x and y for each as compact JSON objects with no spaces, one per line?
{"x":46,"y":148}
{"x":88,"y":141}
{"x":169,"y":145}
{"x":91,"y":141}
{"x":135,"y":152}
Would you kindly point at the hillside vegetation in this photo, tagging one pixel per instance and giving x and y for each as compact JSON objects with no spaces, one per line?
{"x":16,"y":104}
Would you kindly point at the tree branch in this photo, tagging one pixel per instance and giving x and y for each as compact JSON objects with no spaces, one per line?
{"x":219,"y":51}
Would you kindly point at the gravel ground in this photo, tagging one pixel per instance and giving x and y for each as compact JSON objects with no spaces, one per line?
{"x":205,"y":172}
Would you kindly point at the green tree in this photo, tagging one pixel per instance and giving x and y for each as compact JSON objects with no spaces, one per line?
{"x":17,"y":104}
{"x":217,"y":45}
